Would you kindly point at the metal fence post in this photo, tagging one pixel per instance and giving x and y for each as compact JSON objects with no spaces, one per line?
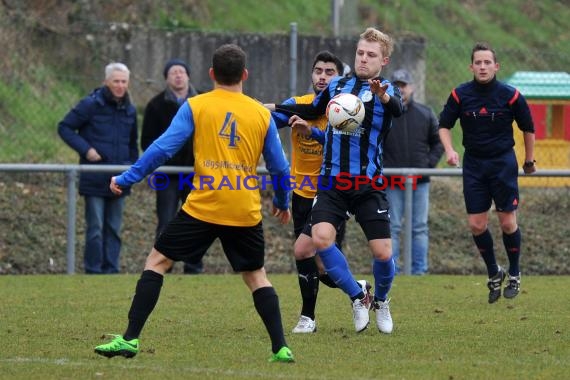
{"x":293,"y":40}
{"x":408,"y":226}
{"x":71,"y":211}
{"x":285,"y":133}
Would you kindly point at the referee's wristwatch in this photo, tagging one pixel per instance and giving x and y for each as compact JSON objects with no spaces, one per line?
{"x":529,"y":164}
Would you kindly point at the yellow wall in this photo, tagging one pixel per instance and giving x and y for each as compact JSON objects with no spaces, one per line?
{"x":549,"y":154}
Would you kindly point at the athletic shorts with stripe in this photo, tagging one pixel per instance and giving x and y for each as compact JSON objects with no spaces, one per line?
{"x":490,"y":179}
{"x":335,"y":202}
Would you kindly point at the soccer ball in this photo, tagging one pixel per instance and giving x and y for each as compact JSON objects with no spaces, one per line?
{"x":345,"y":112}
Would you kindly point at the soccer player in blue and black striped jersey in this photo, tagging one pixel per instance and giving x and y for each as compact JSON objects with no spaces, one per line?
{"x":351,"y":180}
{"x":486,"y":109}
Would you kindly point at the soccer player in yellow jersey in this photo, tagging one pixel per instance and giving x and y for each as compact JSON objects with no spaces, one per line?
{"x":307,"y":158}
{"x":230,"y":132}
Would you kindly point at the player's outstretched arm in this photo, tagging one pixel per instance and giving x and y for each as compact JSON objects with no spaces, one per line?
{"x":307,"y":111}
{"x":278,"y":167}
{"x":161,"y":149}
{"x":281,"y":119}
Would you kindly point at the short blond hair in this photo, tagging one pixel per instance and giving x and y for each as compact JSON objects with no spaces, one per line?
{"x":374,"y":35}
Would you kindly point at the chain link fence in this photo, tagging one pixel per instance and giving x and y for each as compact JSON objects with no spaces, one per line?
{"x":45,"y":69}
{"x":34,"y":226}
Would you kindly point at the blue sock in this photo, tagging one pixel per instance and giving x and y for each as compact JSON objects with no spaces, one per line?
{"x":484,"y":243}
{"x":337,"y":268}
{"x":383,"y":277}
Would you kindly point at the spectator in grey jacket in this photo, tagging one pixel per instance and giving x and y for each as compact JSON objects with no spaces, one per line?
{"x":102,"y":129}
{"x":413,"y":142}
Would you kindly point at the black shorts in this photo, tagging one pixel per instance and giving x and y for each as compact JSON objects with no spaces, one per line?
{"x":301,"y":210}
{"x":302,"y":218}
{"x":187,"y":239}
{"x":369,"y":206}
{"x":490,"y":179}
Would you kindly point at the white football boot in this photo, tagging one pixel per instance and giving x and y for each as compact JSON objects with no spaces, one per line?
{"x":383,"y":317}
{"x":305,"y":325}
{"x":360,"y":308}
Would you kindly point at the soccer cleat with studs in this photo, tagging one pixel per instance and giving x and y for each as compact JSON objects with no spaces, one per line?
{"x":494,"y":284}
{"x":360,"y":307}
{"x":305,"y":325}
{"x":513,"y":286}
{"x":284,"y":355}
{"x":119,"y":347}
{"x":383,"y":316}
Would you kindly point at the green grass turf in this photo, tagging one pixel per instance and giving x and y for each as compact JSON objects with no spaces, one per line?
{"x":206,"y":327}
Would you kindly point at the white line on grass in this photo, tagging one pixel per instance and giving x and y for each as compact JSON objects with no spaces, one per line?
{"x":131,"y":365}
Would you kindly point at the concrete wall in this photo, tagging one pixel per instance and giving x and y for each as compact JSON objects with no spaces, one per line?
{"x":146,"y":50}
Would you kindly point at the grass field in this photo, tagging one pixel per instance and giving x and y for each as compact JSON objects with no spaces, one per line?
{"x":206,"y":327}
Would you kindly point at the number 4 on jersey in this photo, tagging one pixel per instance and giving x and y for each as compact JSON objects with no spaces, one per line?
{"x":229,"y":131}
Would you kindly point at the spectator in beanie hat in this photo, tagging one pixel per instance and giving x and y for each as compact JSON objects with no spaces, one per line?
{"x":159,"y":112}
{"x":175,"y":62}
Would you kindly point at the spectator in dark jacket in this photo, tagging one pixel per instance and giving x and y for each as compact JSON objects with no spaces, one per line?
{"x":413,"y":142}
{"x":158,"y":114}
{"x":102,"y":129}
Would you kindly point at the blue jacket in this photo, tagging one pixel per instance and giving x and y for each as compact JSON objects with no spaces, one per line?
{"x":99,"y":122}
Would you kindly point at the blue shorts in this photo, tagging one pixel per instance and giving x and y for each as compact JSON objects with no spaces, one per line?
{"x":490,"y":179}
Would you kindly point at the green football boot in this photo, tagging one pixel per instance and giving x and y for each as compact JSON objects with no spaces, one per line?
{"x":119,"y":346}
{"x":284,"y":355}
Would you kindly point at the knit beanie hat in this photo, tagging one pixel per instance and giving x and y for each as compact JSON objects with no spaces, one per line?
{"x":175,"y":62}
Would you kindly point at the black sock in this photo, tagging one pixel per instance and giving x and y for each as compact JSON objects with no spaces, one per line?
{"x":325,"y":279}
{"x":512,"y":244}
{"x":484,"y":243}
{"x":359,"y":296}
{"x":144,"y":301}
{"x":267,"y":305}
{"x":308,"y":277}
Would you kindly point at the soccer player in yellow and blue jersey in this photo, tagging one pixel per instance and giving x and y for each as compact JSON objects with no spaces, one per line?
{"x":306,"y":159}
{"x":230,"y":132}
